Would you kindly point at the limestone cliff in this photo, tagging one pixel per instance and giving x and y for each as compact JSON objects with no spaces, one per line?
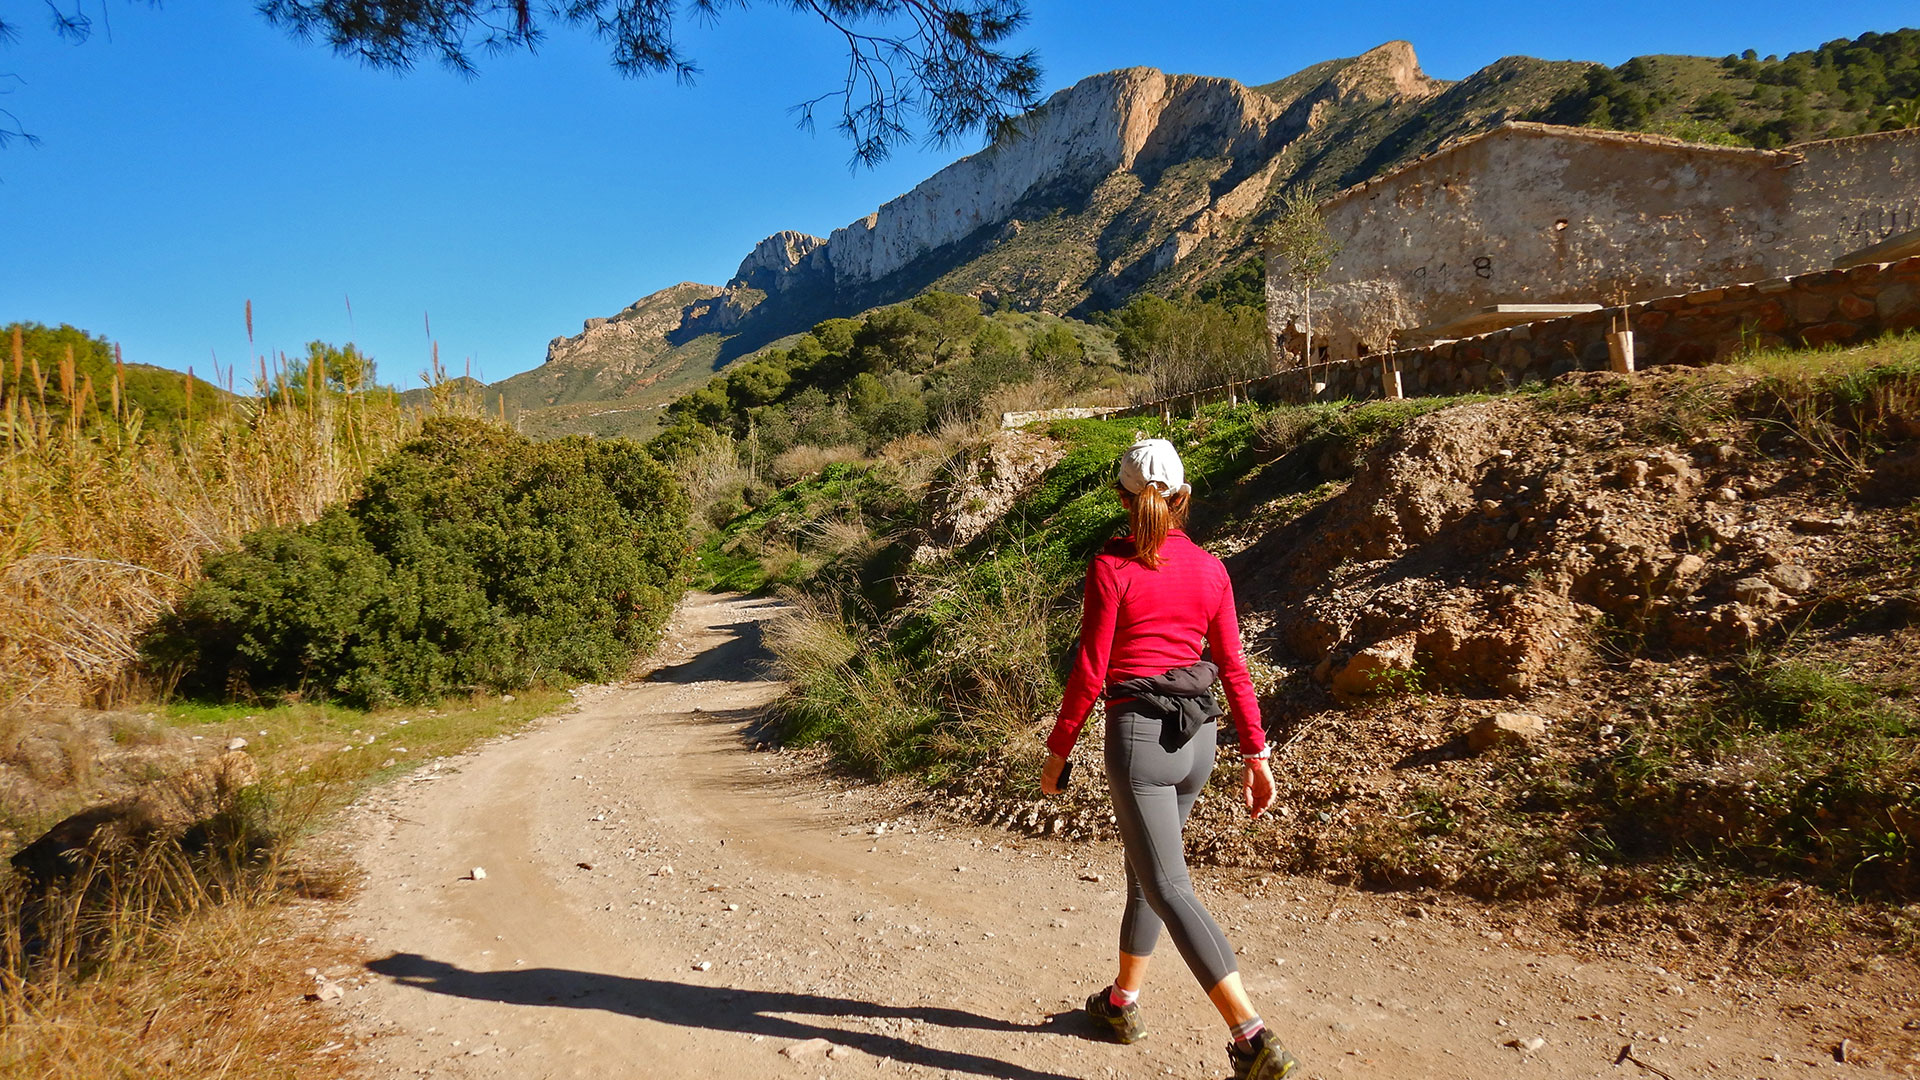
{"x":1136,"y":120}
{"x":771,"y":265}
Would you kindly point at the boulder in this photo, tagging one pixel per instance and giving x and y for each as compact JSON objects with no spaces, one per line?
{"x":1679,"y":578}
{"x":1758,"y":592}
{"x":1506,"y":728}
{"x":807,"y":1049}
{"x":1678,"y":466}
{"x":1789,"y":578}
{"x":1375,"y":669}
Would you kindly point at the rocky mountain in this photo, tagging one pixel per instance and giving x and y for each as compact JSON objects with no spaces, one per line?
{"x":1129,"y":179}
{"x":1141,"y":180}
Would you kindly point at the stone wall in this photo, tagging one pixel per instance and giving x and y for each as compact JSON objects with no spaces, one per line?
{"x":1829,"y":307}
{"x":1532,"y":213}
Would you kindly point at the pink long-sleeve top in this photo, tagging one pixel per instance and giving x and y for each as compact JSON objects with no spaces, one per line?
{"x":1137,"y":622}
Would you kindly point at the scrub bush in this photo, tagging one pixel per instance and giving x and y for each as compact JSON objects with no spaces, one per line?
{"x":472,"y":558}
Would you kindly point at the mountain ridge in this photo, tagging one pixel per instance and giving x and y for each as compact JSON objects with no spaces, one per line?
{"x":1127,"y":181}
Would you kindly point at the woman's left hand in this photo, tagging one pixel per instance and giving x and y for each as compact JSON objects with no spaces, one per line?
{"x":1256,"y":786}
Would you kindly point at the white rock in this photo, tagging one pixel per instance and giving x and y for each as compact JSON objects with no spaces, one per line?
{"x":811,"y":1048}
{"x":478,"y":873}
{"x":1097,"y":126}
{"x":236,"y":743}
{"x":704,"y":965}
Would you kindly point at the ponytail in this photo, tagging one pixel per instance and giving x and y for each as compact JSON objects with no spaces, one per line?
{"x":1150,"y":516}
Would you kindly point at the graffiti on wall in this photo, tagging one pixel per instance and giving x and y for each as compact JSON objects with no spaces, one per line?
{"x":1876,"y":224}
{"x":1481,"y":266}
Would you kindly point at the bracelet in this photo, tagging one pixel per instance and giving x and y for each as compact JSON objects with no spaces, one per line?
{"x":1265,"y":753}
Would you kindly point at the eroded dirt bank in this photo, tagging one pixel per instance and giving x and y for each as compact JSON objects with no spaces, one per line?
{"x":661,"y":900}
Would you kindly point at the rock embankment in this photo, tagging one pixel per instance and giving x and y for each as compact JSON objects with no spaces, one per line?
{"x":1487,"y":547}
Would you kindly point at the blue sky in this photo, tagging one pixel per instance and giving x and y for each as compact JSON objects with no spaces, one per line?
{"x":198,"y":159}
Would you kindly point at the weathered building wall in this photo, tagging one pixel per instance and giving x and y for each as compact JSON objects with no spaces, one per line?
{"x":1826,"y":307}
{"x":1532,"y":213}
{"x":1851,"y":193}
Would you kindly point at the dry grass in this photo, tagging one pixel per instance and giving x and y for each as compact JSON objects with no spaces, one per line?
{"x":713,"y":474}
{"x":217,"y":993}
{"x":102,"y":526}
{"x":1041,"y":392}
{"x":160,"y":962}
{"x":169,"y":964}
{"x":984,"y":678}
{"x":805,"y":460}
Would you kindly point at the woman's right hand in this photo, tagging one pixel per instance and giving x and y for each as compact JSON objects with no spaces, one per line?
{"x":1050,"y":773}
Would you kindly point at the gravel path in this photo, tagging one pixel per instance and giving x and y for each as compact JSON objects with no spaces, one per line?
{"x":660,"y":900}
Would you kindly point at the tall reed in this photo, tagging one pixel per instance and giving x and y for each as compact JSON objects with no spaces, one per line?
{"x":103,"y":522}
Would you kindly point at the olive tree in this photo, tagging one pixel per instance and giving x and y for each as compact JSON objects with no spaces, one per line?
{"x":1298,"y":237}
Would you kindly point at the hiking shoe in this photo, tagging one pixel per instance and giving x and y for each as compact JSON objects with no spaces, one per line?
{"x":1124,"y":1022}
{"x":1266,"y":1059}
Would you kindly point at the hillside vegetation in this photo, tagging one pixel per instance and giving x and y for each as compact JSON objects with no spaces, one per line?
{"x":72,"y":377}
{"x":900,"y":371}
{"x":1697,"y":590}
{"x":1845,"y":87}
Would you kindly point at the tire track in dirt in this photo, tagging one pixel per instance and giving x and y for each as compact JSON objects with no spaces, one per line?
{"x":660,"y":900}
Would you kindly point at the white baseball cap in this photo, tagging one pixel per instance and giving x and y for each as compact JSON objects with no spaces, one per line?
{"x":1153,"y":461}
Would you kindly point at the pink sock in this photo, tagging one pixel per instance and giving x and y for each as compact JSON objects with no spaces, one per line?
{"x":1244,"y":1033}
{"x":1119,"y":998}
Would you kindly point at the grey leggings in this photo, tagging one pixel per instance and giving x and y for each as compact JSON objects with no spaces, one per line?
{"x":1153,"y":792}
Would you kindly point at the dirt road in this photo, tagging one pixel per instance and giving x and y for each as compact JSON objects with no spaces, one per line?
{"x":660,"y":900}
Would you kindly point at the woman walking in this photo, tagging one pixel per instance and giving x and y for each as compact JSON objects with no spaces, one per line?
{"x":1153,"y":600}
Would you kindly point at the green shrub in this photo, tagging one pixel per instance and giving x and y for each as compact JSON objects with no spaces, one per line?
{"x":473,"y":557}
{"x":1792,"y":768}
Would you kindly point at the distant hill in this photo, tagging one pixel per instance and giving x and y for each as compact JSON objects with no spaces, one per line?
{"x":1136,"y":180}
{"x":55,"y":367}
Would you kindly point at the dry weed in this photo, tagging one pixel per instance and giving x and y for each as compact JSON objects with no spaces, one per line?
{"x":1039,"y":393}
{"x":215,"y":992}
{"x":803,"y":461}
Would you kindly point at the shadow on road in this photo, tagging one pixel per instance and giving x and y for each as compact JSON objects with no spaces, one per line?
{"x":741,"y":658}
{"x":719,"y":1008}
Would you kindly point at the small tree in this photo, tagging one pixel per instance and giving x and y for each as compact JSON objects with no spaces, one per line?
{"x":1900,"y":115}
{"x":1299,"y":238}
